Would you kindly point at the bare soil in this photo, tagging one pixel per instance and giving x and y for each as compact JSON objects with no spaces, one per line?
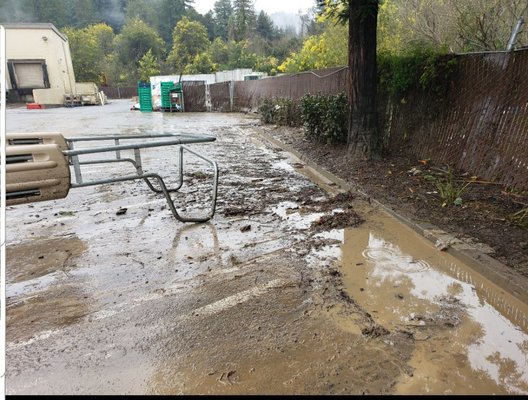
{"x":485,"y":217}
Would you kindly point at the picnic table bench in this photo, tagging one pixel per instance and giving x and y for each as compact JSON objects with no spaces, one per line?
{"x":38,"y":165}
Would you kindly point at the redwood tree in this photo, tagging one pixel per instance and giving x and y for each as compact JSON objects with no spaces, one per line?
{"x":363,"y":132}
{"x":362,"y":16}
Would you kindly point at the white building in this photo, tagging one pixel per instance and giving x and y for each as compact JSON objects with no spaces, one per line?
{"x":239,"y":74}
{"x":38,"y":63}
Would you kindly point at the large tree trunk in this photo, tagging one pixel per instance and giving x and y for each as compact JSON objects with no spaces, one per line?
{"x":363,"y":133}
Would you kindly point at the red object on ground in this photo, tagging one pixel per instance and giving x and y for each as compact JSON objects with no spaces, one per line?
{"x":34,"y":106}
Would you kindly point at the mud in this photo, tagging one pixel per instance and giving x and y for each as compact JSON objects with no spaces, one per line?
{"x":485,"y":219}
{"x":292,"y":288}
{"x":42,"y":256}
{"x":450,"y":311}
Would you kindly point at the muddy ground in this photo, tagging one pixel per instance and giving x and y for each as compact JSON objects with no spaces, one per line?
{"x":485,"y":218}
{"x":296,"y":286}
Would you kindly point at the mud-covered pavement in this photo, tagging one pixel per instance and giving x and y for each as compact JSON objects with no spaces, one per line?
{"x":292,"y":288}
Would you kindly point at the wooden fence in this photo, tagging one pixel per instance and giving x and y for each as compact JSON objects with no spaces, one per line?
{"x":479,"y":125}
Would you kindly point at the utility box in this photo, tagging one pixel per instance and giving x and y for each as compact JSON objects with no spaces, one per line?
{"x":251,"y":77}
{"x":145,"y":96}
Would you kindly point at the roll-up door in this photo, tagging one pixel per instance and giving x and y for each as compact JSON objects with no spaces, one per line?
{"x":29,"y":75}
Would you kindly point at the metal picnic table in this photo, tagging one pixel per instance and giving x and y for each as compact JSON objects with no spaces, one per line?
{"x":31,"y":176}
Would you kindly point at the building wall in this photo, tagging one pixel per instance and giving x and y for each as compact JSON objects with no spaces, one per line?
{"x":30,"y":42}
{"x":232,"y":75}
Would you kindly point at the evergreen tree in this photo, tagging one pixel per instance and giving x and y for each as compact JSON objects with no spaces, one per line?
{"x":208,"y":21}
{"x":170,"y":12}
{"x":148,"y":66}
{"x":143,"y":10}
{"x":265,"y":27}
{"x":112,"y":12}
{"x":81,"y":13}
{"x":52,"y":11}
{"x":135,"y":40}
{"x":222,"y":11}
{"x":17,"y":11}
{"x":362,"y":17}
{"x":243,"y":19}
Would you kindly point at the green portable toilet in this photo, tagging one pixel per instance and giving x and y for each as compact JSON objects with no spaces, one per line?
{"x":145,"y":96}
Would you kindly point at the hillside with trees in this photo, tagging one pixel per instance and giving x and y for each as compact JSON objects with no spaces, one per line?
{"x":116,"y":42}
{"x":408,"y":27}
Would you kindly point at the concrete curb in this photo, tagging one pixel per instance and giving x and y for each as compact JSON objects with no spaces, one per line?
{"x":500,"y":274}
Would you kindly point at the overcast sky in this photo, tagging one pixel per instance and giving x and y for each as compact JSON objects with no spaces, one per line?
{"x":269,"y":6}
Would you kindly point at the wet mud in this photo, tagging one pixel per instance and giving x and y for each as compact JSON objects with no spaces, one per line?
{"x":470,"y":335}
{"x":294,"y":287}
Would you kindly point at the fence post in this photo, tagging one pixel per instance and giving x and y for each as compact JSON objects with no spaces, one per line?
{"x":208,"y":104}
{"x":231,"y":93}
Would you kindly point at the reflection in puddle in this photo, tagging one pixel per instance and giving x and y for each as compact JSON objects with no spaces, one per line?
{"x":471,"y":336}
{"x":326,"y":252}
{"x":290,"y":211}
{"x":283,"y":164}
{"x":31,"y":286}
{"x":388,"y":257}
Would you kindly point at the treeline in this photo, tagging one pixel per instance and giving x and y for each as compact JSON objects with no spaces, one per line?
{"x":117,"y":42}
{"x":416,"y":29}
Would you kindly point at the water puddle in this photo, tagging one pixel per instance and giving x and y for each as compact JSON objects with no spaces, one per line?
{"x":471,"y":336}
{"x":39,"y":257}
{"x":297,"y":217}
{"x":47,"y":310}
{"x":36,"y":301}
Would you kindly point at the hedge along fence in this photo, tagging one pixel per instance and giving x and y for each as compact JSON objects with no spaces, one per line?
{"x":280,"y":111}
{"x":324,"y":117}
{"x":478,"y":122}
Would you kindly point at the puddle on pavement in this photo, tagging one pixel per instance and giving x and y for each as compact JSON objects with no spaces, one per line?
{"x":471,"y":336}
{"x":294,"y":215}
{"x":273,"y":348}
{"x":36,"y":301}
{"x":41,"y":256}
{"x":48,"y":310}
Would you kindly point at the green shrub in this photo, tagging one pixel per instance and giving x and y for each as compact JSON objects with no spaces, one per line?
{"x":266,"y":111}
{"x":325,"y":117}
{"x":280,"y":111}
{"x":420,"y":68}
{"x":449,"y":189}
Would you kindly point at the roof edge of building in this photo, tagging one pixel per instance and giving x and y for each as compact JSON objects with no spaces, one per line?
{"x":34,"y":25}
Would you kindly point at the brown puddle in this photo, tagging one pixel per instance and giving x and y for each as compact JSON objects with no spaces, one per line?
{"x":271,"y":350}
{"x":39,"y":257}
{"x":36,"y":301}
{"x":471,"y":336}
{"x":48,"y":310}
